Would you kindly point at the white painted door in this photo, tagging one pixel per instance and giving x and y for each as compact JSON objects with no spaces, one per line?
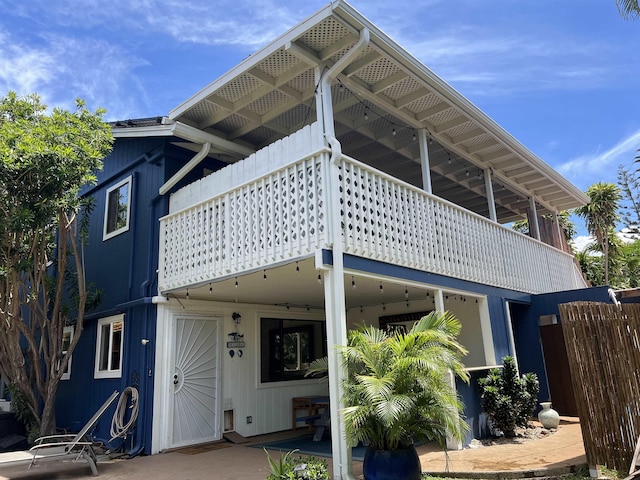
{"x":196,"y":381}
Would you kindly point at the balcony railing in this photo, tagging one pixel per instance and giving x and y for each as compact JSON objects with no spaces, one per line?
{"x":283,"y":215}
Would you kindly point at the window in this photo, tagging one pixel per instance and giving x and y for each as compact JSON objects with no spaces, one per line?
{"x":287,"y":347}
{"x":117,"y":209}
{"x":109,"y":347}
{"x":67,"y":336}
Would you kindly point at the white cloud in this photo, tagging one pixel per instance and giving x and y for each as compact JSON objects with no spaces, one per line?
{"x":24,"y":69}
{"x":602,"y":162}
{"x":581,"y":242}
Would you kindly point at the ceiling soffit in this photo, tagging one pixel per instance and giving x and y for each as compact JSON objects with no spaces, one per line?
{"x":379,"y":100}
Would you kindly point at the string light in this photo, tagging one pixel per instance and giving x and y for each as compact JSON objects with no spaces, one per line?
{"x":393,"y":132}
{"x":366,"y":113}
{"x":187,"y":293}
{"x":264,"y":275}
{"x":406,"y":293}
{"x":297,"y":268}
{"x":353,"y":282}
{"x":236,"y":282}
{"x":384,"y":307}
{"x":319,"y":278}
{"x":381,"y":288}
{"x":210,"y":288}
{"x":361,"y":309}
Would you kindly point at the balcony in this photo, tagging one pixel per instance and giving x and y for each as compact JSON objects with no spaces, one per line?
{"x":274,"y":207}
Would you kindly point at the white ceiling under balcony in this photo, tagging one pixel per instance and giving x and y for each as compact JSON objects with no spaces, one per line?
{"x":380,"y":100}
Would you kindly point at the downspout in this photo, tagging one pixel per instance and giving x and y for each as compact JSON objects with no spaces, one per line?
{"x":336,"y":333}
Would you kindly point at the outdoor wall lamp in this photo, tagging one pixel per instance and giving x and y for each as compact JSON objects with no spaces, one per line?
{"x":236,"y":317}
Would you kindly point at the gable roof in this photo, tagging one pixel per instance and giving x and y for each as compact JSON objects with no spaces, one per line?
{"x":379,"y":101}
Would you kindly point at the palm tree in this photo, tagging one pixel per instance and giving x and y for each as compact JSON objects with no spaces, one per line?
{"x":397,"y":388}
{"x":601,"y":215}
{"x":629,"y":9}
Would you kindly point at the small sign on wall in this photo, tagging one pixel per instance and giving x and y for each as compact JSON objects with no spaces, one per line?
{"x":235,"y":344}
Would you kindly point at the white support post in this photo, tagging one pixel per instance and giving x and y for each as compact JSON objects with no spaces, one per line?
{"x":488,"y":185}
{"x":438,"y":300}
{"x":556,"y":219}
{"x":337,"y":335}
{"x":534,"y":217}
{"x":423,"y":142}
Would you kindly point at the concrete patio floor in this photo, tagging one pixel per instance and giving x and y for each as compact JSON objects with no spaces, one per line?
{"x":556,"y":454}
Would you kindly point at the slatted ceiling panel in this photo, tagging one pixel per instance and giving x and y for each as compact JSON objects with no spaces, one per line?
{"x":278,"y":63}
{"x":476,"y":141}
{"x":491,"y":149}
{"x":231,"y":123}
{"x":268,"y":102}
{"x":460,"y":129}
{"x":298,"y":116}
{"x":325,"y":34}
{"x":239,"y":87}
{"x":257,"y":136}
{"x":401,"y":88}
{"x":444,"y":116}
{"x":423,"y":103}
{"x":303,"y":82}
{"x":201,"y":111}
{"x":377,"y":71}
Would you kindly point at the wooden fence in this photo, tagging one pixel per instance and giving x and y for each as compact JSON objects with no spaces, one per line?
{"x":603,"y":347}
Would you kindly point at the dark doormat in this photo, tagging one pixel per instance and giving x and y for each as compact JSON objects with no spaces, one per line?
{"x":201,"y":448}
{"x":235,"y":437}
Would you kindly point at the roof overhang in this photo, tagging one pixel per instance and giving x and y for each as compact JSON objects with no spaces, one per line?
{"x":379,"y":100}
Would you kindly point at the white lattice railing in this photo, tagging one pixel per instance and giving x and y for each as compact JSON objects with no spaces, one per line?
{"x":391,"y":221}
{"x":276,"y":217}
{"x":283,"y":215}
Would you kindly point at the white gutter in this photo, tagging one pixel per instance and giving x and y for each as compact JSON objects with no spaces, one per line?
{"x":185,"y":132}
{"x":191,"y":164}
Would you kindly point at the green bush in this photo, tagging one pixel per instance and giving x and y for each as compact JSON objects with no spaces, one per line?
{"x":507,"y":399}
{"x":284,"y":468}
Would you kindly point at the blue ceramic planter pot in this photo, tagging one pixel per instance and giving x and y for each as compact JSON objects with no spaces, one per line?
{"x":402,"y":464}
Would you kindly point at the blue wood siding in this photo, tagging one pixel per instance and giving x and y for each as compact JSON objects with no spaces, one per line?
{"x":124,"y":269}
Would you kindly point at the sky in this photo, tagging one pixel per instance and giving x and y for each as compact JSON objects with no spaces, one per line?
{"x":562,"y":76}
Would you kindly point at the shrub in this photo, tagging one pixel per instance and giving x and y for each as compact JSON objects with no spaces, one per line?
{"x":284,"y":467}
{"x":507,"y":399}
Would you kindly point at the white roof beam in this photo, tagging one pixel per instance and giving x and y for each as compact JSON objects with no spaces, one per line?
{"x":454,"y":122}
{"x":365,"y":61}
{"x":430,"y":112}
{"x":389,"y":81}
{"x":463,"y":137}
{"x":412,"y":97}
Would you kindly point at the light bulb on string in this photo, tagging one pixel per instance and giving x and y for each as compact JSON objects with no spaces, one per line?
{"x":353,"y":282}
{"x":381,"y":288}
{"x":236,"y":282}
{"x":264,"y":275}
{"x":319,"y":278}
{"x":210,"y":288}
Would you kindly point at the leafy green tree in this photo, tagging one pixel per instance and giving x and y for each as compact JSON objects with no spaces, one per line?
{"x":630,"y":195}
{"x":45,"y":158}
{"x":508,"y":399}
{"x":629,"y":9}
{"x":601,"y":216}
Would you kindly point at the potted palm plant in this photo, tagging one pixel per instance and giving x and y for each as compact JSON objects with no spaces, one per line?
{"x":397,"y":392}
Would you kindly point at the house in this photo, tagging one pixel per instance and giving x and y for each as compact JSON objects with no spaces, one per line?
{"x":328,"y":179}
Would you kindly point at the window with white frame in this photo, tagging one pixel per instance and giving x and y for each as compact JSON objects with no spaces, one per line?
{"x":109,"y":347}
{"x":67,"y":337}
{"x":117,"y":209}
